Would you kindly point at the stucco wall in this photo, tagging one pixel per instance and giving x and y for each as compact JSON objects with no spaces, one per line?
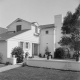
{"x":51,"y":40}
{"x":27,"y":36}
{"x":47,"y":40}
{"x":10,"y":45}
{"x":56,"y":64}
{"x":15,"y":43}
{"x":58,"y":25}
{"x":3,"y":50}
{"x":25,"y":25}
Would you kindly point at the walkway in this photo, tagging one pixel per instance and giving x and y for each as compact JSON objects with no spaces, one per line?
{"x":8,"y":67}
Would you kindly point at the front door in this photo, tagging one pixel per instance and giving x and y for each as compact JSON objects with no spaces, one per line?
{"x":35,"y":49}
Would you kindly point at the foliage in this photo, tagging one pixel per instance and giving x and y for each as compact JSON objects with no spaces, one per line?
{"x":65,"y":41}
{"x":18,"y":52}
{"x":66,"y":28}
{"x":30,"y":57}
{"x":71,"y":30}
{"x":59,"y":53}
{"x":26,"y":54}
{"x":70,"y":21}
{"x":68,"y":55}
{"x":7,"y":63}
{"x":24,"y":64}
{"x":40,"y":55}
{"x":47,"y":52}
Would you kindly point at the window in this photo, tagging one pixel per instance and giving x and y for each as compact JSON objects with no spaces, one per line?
{"x":47,"y":32}
{"x":19,"y":20}
{"x":21,"y":44}
{"x":27,"y":45}
{"x":18,"y":28}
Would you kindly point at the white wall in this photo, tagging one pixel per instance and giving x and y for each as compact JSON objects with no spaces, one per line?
{"x":47,"y":40}
{"x":58,"y":25}
{"x":53,"y":37}
{"x":3,"y":50}
{"x":27,"y":36}
{"x":10,"y":45}
{"x":25,"y":25}
{"x":56,"y":64}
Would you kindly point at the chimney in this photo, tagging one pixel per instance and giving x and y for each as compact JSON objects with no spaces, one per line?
{"x":58,"y":25}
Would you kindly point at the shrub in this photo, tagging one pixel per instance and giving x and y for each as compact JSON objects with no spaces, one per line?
{"x":74,"y":56}
{"x":59,"y":53}
{"x":30,"y":57}
{"x":40,"y":55}
{"x":7,"y":63}
{"x":24,"y":64}
{"x":18,"y":52}
{"x":26,"y":54}
{"x":69,"y":55}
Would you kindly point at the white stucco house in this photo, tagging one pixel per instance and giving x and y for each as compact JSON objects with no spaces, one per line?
{"x":20,"y":33}
{"x":50,"y":35}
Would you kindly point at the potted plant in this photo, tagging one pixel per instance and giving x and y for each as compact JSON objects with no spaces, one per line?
{"x":26,"y":57}
{"x":47,"y":52}
{"x":77,"y":56}
{"x":26,"y":54}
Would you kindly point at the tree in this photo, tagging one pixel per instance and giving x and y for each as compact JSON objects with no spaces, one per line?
{"x":71,"y":30}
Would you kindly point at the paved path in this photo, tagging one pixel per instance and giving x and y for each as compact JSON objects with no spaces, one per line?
{"x":8,"y":67}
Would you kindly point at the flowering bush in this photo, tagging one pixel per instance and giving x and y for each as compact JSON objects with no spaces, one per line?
{"x":18,"y":52}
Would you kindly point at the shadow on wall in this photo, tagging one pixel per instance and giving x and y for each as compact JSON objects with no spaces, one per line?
{"x":1,"y":56}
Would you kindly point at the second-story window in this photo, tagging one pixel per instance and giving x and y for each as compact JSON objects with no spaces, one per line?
{"x":19,"y":20}
{"x":18,"y":28}
{"x":47,"y":32}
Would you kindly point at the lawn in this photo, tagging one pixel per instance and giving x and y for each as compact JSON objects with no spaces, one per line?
{"x":33,"y":73}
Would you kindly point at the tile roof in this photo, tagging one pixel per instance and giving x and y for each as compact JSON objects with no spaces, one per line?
{"x":47,"y":26}
{"x":9,"y":34}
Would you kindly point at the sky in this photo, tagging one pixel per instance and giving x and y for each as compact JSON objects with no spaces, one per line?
{"x":41,"y":11}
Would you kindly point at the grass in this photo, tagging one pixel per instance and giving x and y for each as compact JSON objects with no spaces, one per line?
{"x":34,"y":73}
